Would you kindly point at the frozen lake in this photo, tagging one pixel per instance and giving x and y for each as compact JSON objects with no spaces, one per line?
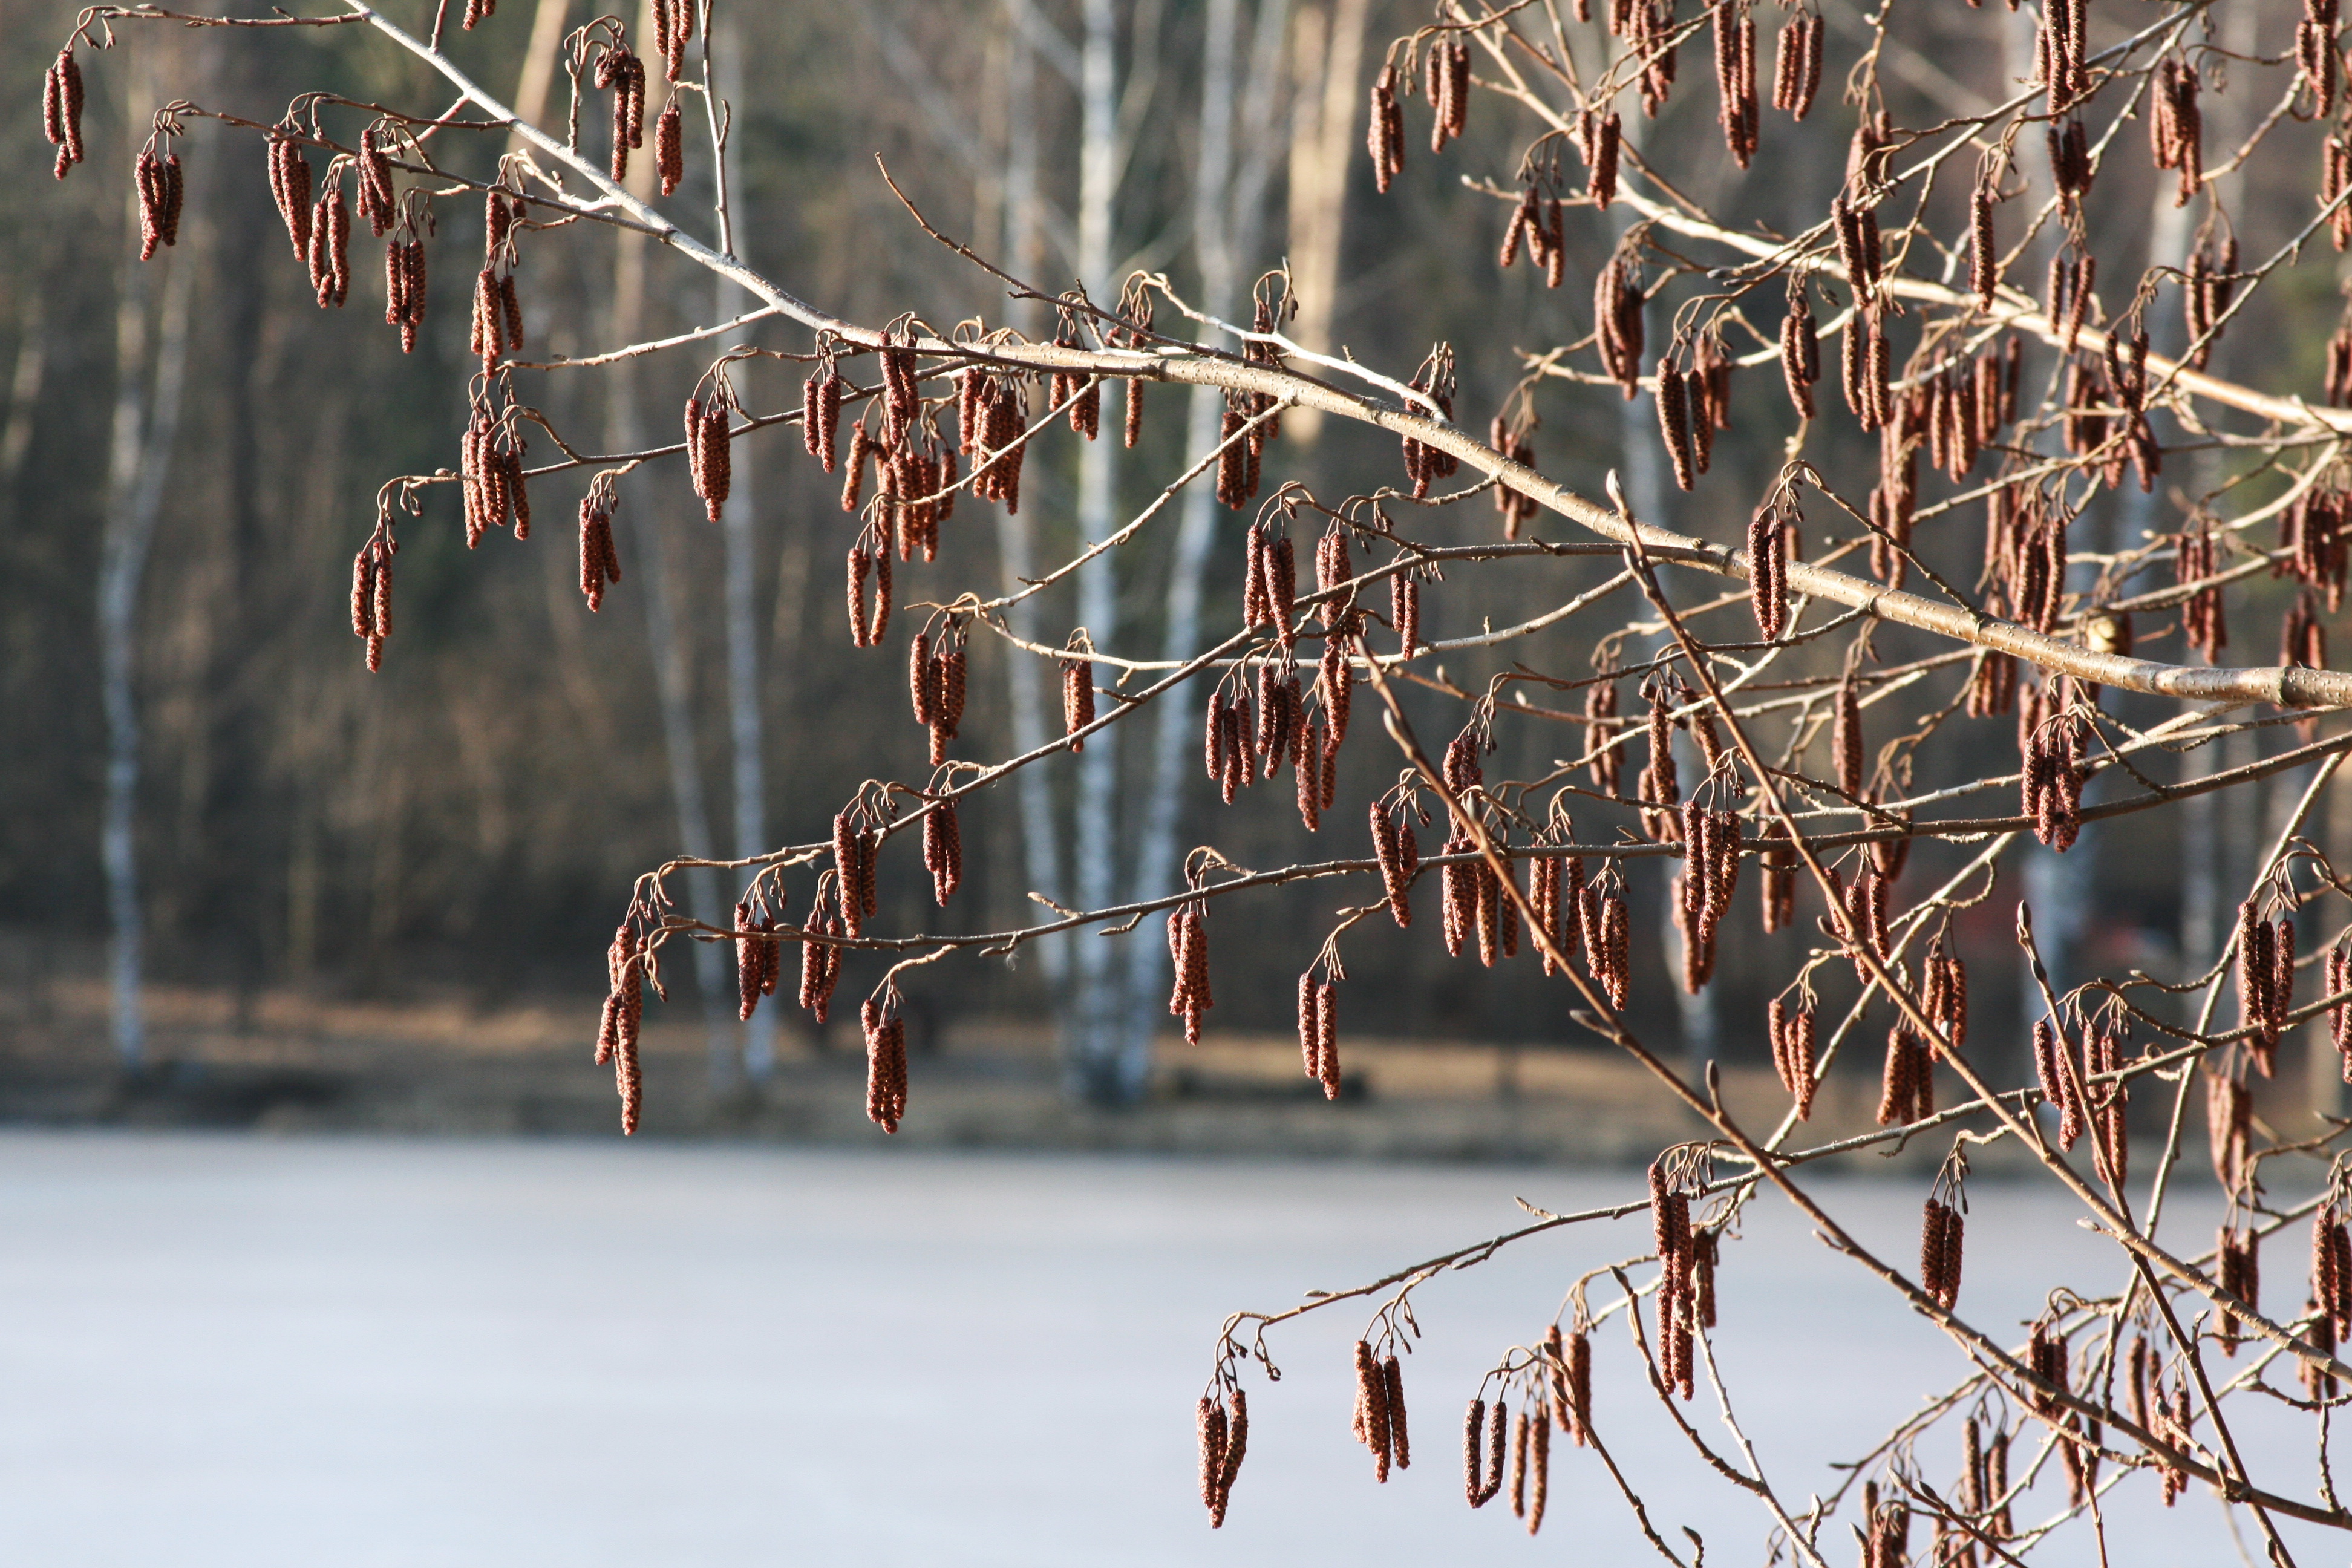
{"x":293,"y":1351}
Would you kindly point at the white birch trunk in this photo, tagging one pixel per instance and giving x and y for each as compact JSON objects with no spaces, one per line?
{"x":626,"y":432}
{"x":146,"y":423}
{"x":1227,"y":213}
{"x":1025,"y":244}
{"x":1098,"y":1067}
{"x":744,"y":727}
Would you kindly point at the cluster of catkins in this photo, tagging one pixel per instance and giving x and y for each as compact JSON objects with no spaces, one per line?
{"x":1702,"y":890}
{"x":856,"y":843}
{"x":1397,"y":851}
{"x":1941,"y":1226}
{"x":328,"y":254}
{"x":709,"y":446}
{"x":1735,"y":81}
{"x":868,"y":556}
{"x":1556,"y":900}
{"x":2310,"y":533}
{"x":2197,"y":559}
{"x":290,"y":188}
{"x":2238,"y":1269}
{"x":1907,"y":1079}
{"x":821,"y":961}
{"x":1692,"y":405}
{"x":673,"y":21}
{"x":162,"y":188}
{"x":1800,"y":349}
{"x":61,"y":99}
{"x":599,"y":563}
{"x":372,"y":595}
{"x":1379,"y":1422}
{"x":1886,"y":1540}
{"x":2176,"y":127}
{"x":1245,"y":741}
{"x":992,"y":419}
{"x":489,"y":467}
{"x":377,"y":197}
{"x":1518,"y":509}
{"x":2229,"y":1125}
{"x":1188,"y":950}
{"x":498,"y":314}
{"x":886,"y":1061}
{"x":1685,"y":1279}
{"x":1319,"y":1032}
{"x":623,"y":75}
{"x":403,"y":290}
{"x":758,"y":959}
{"x":935,"y":669}
{"x":1224,"y":1438}
{"x":2026,"y":554}
{"x":1242,"y":446}
{"x":2049,"y":743}
{"x":1425,"y":463}
{"x":1797,"y":65}
{"x":2168,"y":1416}
{"x":943,"y":848}
{"x":2303,"y":640}
{"x":1792,"y":1028}
{"x":2265,"y":981}
{"x":623,"y":1018}
{"x":1539,"y":221}
{"x":2331,"y":1268}
{"x":2338,"y":983}
{"x":1617,"y":322}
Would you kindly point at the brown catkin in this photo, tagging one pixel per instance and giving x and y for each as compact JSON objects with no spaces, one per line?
{"x":1078,"y":701}
{"x":1984,"y":256}
{"x":1768,"y":587}
{"x":943,"y":850}
{"x":1386,"y":131}
{"x":1675,"y":420}
{"x":669,"y":147}
{"x":1608,"y":138}
{"x":1372,"y":1410}
{"x":1845,"y":741}
{"x":1209,"y":1427}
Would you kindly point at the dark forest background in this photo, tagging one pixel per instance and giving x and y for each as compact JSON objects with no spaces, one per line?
{"x":472,"y":817}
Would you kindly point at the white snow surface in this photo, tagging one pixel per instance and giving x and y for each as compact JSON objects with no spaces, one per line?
{"x":347,"y":1352}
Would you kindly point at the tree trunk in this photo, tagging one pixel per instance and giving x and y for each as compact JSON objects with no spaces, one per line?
{"x":1025,"y":244}
{"x":146,"y":422}
{"x":743,"y":711}
{"x":1329,"y":60}
{"x":673,"y":680}
{"x":1098,"y":1066}
{"x":1227,"y":217}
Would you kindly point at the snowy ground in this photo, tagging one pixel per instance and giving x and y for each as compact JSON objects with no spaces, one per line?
{"x":355,"y":1352}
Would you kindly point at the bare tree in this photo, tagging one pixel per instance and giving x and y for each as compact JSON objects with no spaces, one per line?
{"x":1749,"y":674}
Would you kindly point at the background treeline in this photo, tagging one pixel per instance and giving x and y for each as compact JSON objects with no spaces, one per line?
{"x":474,"y":814}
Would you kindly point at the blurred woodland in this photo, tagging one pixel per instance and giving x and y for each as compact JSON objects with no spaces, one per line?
{"x":471,"y":819}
